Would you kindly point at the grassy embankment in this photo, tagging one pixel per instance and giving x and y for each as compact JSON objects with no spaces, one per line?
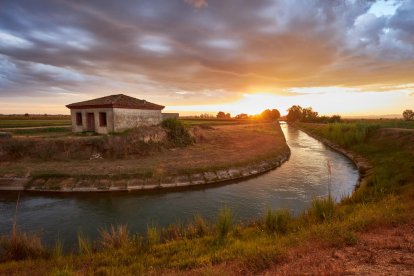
{"x":126,"y":155}
{"x":223,"y":247}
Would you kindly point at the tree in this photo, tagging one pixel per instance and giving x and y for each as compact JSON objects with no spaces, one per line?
{"x":308,"y":115}
{"x":228,"y":116}
{"x":294,"y":113}
{"x":242,"y":116}
{"x":221,"y":115}
{"x":270,"y":115}
{"x":408,"y":115}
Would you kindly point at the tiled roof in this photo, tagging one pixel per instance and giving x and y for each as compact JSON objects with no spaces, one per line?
{"x":116,"y":101}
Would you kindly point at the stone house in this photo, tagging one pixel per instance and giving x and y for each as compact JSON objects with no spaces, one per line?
{"x":114,"y":113}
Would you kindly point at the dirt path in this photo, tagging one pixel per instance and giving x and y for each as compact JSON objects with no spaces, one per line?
{"x":384,"y":251}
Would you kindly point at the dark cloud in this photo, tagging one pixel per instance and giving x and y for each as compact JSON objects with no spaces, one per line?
{"x":164,"y":47}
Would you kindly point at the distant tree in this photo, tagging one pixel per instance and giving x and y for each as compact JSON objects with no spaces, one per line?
{"x":26,"y":114}
{"x":221,"y":115}
{"x":228,"y":116}
{"x":275,"y":114}
{"x":270,"y":115}
{"x":308,"y":115}
{"x":294,"y":113}
{"x":335,"y":119}
{"x":408,"y":115}
{"x":242,"y":116}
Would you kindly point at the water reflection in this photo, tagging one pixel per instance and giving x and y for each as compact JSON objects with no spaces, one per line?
{"x":293,"y":186}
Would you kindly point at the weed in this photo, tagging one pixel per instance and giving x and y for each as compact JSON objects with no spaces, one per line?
{"x":225,"y":222}
{"x":115,"y":237}
{"x":277,"y":221}
{"x":200,"y":226}
{"x":85,"y":245}
{"x":322,"y":210}
{"x":153,"y":235}
{"x":20,"y":246}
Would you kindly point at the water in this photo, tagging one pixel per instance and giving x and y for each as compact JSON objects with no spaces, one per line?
{"x":293,"y":186}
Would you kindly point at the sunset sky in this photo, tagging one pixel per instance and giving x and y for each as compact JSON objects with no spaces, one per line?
{"x":352,"y":57}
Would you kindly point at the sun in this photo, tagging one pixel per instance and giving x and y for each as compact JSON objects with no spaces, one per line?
{"x":252,"y":104}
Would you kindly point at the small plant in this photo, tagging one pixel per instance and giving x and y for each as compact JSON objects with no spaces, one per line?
{"x":322,"y":209}
{"x":277,"y":221}
{"x":115,"y":237}
{"x":224,"y":222}
{"x":200,"y":226}
{"x":84,"y":244}
{"x":21,"y":246}
{"x":57,"y":250}
{"x":153,"y":235}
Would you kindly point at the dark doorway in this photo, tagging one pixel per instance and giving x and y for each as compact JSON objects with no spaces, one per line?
{"x":90,"y":119}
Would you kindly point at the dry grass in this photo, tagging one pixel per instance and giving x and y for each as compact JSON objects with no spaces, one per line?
{"x":222,"y":146}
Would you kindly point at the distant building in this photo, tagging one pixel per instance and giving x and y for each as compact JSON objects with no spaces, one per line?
{"x":170,"y":116}
{"x":114,"y":113}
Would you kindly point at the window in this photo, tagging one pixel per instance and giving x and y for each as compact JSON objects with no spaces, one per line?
{"x":78,"y":119}
{"x":102,"y":119}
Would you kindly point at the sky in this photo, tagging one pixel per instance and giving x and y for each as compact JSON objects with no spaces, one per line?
{"x":348,"y":57}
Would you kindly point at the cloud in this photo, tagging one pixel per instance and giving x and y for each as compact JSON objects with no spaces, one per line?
{"x":155,"y":47}
{"x":198,"y":4}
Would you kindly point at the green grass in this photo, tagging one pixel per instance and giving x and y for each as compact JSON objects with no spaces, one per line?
{"x":47,"y":131}
{"x":32,"y":123}
{"x":385,"y":123}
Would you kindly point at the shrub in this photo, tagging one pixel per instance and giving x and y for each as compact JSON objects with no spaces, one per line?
{"x":277,"y":221}
{"x":177,"y":132}
{"x":115,"y":237}
{"x":224,"y":222}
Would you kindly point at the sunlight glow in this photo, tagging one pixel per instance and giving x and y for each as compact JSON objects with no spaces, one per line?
{"x":343,"y":102}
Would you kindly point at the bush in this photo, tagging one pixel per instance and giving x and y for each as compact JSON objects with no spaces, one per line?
{"x":177,"y":132}
{"x":277,"y":221}
{"x":224,"y":222}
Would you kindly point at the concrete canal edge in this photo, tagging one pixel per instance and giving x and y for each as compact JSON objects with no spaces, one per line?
{"x":365,"y":169}
{"x":106,"y":184}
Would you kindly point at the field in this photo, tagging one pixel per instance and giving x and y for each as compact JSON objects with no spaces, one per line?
{"x":45,"y":155}
{"x":370,"y":232}
{"x":21,"y":121}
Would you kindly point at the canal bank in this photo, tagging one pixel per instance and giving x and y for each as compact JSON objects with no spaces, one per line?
{"x":292,"y":186}
{"x":365,"y":169}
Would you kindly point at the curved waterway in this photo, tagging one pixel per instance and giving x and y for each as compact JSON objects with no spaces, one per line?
{"x":293,"y":185}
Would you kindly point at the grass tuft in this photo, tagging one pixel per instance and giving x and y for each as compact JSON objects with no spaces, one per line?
{"x":115,"y":237}
{"x":277,"y":221}
{"x":225,"y":222}
{"x":322,"y":209}
{"x":85,"y":245}
{"x":21,"y":246}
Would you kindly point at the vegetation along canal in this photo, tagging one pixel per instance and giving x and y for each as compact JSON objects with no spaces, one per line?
{"x":293,"y":186}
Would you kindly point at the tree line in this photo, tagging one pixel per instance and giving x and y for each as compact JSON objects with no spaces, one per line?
{"x":308,"y":115}
{"x":268,"y":115}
